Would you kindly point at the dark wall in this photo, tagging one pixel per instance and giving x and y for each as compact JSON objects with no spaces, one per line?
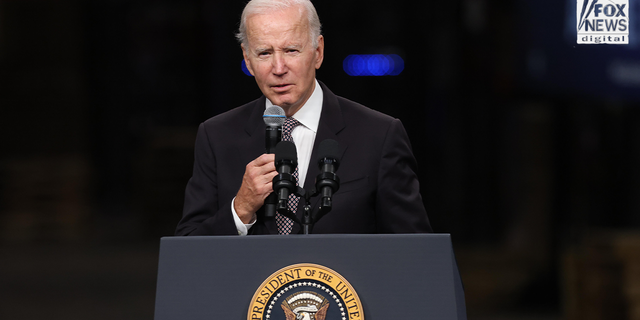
{"x":100,"y":101}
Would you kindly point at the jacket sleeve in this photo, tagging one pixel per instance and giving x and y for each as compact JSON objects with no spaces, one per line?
{"x":399,"y":206}
{"x":203,"y":214}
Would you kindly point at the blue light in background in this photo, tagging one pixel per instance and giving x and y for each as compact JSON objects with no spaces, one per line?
{"x":375,"y":65}
{"x":245,"y":70}
{"x":362,"y":65}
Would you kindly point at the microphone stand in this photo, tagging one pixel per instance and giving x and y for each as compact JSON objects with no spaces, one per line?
{"x":308,"y":219}
{"x":323,"y":180}
{"x":307,"y":222}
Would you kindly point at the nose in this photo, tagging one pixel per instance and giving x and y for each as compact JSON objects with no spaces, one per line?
{"x":279,"y":64}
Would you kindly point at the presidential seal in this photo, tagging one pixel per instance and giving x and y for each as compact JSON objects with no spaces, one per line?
{"x":305,"y":292}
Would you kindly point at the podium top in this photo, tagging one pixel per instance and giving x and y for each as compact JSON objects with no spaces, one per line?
{"x":395,"y":275}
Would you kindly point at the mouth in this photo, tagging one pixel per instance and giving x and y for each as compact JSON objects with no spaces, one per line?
{"x":281,"y":87}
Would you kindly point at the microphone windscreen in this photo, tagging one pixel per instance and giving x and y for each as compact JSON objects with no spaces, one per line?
{"x":329,"y":149}
{"x":274,"y":116}
{"x":286,"y":150}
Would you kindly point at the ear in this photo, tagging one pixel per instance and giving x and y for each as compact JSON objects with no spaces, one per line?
{"x":247,"y":62}
{"x":319,"y":52}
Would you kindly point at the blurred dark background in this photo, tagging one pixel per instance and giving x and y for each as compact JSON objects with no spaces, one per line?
{"x":528,"y":144}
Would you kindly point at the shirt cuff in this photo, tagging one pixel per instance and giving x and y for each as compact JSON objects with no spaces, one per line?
{"x":242,"y":227}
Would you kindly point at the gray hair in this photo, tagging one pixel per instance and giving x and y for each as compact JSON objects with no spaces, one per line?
{"x":264,"y":6}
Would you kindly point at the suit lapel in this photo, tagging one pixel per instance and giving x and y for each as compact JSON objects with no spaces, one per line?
{"x":331,"y":123}
{"x":255,"y":121}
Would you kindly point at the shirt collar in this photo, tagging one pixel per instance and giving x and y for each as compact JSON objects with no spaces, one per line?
{"x":309,"y":114}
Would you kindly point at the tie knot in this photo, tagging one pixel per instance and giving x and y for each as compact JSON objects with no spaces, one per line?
{"x":287,"y":127}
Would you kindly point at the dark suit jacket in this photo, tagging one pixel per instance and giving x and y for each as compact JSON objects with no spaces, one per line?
{"x":379,"y":190}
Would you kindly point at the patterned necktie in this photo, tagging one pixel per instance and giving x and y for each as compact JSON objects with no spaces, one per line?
{"x":285,"y":224}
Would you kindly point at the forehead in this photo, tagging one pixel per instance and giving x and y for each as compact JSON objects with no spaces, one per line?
{"x":278,"y":26}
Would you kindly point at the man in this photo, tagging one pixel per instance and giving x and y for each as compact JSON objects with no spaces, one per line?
{"x":379,"y":191}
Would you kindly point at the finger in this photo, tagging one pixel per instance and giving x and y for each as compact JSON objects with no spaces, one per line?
{"x":269,"y":187}
{"x":271,"y":175}
{"x":265,"y":181}
{"x":254,"y":171}
{"x":264,"y":159}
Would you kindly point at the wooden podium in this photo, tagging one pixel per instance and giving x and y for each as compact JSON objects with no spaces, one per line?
{"x":396,"y":276}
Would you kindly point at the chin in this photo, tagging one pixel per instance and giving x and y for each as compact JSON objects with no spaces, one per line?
{"x":283,"y":98}
{"x":281,"y":103}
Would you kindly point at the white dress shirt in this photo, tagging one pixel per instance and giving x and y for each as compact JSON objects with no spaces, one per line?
{"x":303,"y":137}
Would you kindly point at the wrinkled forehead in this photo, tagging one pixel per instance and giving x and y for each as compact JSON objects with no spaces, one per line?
{"x":289,"y":25}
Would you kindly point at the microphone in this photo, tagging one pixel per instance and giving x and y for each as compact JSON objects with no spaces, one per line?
{"x":273,"y":118}
{"x":284,"y":183}
{"x":327,"y":182}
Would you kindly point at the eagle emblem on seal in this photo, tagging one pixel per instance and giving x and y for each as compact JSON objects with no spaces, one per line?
{"x":305,"y":305}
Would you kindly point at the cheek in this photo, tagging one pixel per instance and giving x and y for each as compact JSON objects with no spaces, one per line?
{"x":261,"y":70}
{"x":301,"y":67}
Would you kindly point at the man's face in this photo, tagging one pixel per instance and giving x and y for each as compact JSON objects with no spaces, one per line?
{"x":281,"y":57}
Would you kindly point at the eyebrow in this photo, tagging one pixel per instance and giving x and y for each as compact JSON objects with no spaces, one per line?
{"x":259,"y":50}
{"x":294,"y":46}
